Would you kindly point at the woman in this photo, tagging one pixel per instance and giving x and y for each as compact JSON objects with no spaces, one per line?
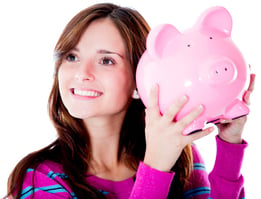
{"x":106,"y":147}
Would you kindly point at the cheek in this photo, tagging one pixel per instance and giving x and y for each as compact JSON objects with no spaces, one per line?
{"x":124,"y":84}
{"x":64,"y":74}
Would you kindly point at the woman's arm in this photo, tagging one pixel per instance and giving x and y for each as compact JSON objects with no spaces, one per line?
{"x":164,"y":144}
{"x":151,"y":183}
{"x":164,"y":138}
{"x":226,"y":179}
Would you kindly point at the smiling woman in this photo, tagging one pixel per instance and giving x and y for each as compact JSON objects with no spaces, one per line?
{"x":106,"y":147}
{"x":93,"y":63}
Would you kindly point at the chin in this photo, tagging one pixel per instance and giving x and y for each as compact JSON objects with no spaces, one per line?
{"x":79,"y":114}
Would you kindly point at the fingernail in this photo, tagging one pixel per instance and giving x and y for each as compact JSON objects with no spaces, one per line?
{"x":154,"y":87}
{"x":247,"y":98}
{"x":211,"y":129}
{"x":223,"y":121}
{"x":201,"y":107}
{"x":184,"y":98}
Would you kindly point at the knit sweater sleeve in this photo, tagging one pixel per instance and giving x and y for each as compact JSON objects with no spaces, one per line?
{"x":151,"y":183}
{"x":226,"y":179}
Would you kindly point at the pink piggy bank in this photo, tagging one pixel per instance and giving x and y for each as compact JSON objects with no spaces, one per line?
{"x":202,"y":63}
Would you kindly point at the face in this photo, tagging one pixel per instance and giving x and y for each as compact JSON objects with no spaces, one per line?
{"x":95,"y":78}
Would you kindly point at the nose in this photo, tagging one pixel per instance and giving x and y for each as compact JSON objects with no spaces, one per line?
{"x":218,"y":71}
{"x":223,"y":71}
{"x":85,"y":72}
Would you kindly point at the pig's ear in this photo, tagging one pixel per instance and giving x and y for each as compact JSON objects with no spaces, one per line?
{"x":216,"y":19}
{"x":159,"y":37}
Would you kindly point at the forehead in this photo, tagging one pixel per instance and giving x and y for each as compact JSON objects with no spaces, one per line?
{"x":103,"y":34}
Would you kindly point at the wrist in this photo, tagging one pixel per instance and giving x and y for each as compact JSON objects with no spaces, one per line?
{"x":158,"y":165}
{"x":231,"y":139}
{"x":161,"y":161}
{"x":229,"y":159}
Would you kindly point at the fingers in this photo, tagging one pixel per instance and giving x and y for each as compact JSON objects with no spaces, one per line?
{"x":186,"y":120}
{"x":250,"y":89}
{"x":173,"y":110}
{"x":153,"y":112}
{"x":153,"y":103}
{"x":225,"y":121}
{"x":170,"y":113}
{"x":252,"y":82}
{"x":153,"y":97}
{"x":200,"y":134}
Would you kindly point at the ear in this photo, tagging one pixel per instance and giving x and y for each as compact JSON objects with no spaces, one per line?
{"x":159,"y":37}
{"x":216,"y":19}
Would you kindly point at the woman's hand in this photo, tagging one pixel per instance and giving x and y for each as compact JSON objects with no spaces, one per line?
{"x":164,"y":138}
{"x":231,"y":130}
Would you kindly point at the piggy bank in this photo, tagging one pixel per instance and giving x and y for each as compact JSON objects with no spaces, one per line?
{"x":202,"y":63}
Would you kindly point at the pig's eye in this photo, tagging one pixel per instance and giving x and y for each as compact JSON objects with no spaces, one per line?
{"x":210,"y":37}
{"x":188,"y":45}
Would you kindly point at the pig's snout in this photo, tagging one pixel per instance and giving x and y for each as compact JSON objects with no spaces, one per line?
{"x":219,"y":71}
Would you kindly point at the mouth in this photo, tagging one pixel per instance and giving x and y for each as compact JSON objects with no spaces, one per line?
{"x":86,"y":93}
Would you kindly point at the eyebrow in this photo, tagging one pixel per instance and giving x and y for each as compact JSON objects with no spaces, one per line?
{"x":103,"y":51}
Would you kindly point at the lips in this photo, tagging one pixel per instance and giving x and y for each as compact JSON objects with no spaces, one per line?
{"x":86,"y":93}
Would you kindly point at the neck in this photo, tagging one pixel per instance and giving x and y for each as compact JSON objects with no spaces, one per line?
{"x":104,"y":139}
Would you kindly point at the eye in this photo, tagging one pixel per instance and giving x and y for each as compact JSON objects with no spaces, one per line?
{"x":71,"y":58}
{"x":107,"y":61}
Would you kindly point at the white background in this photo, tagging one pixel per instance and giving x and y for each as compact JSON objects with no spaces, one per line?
{"x":29,"y":30}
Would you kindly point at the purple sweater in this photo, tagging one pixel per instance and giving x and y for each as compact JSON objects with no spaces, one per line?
{"x":224,"y":182}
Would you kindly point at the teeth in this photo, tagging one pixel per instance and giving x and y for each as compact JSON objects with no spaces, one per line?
{"x":87,"y":93}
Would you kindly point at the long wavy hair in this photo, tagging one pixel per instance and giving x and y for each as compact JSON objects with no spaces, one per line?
{"x":71,"y":149}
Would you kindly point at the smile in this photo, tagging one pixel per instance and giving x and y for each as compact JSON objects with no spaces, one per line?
{"x":86,"y":93}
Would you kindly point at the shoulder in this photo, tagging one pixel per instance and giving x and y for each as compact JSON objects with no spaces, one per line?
{"x":46,"y":171}
{"x":197,"y":158}
{"x":50,"y":169}
{"x":198,"y":183}
{"x":47,"y":180}
{"x":198,"y":167}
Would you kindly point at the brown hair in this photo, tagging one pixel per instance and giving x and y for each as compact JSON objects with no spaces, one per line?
{"x":72,"y":147}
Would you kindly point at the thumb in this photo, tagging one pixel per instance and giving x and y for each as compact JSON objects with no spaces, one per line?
{"x":200,"y":134}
